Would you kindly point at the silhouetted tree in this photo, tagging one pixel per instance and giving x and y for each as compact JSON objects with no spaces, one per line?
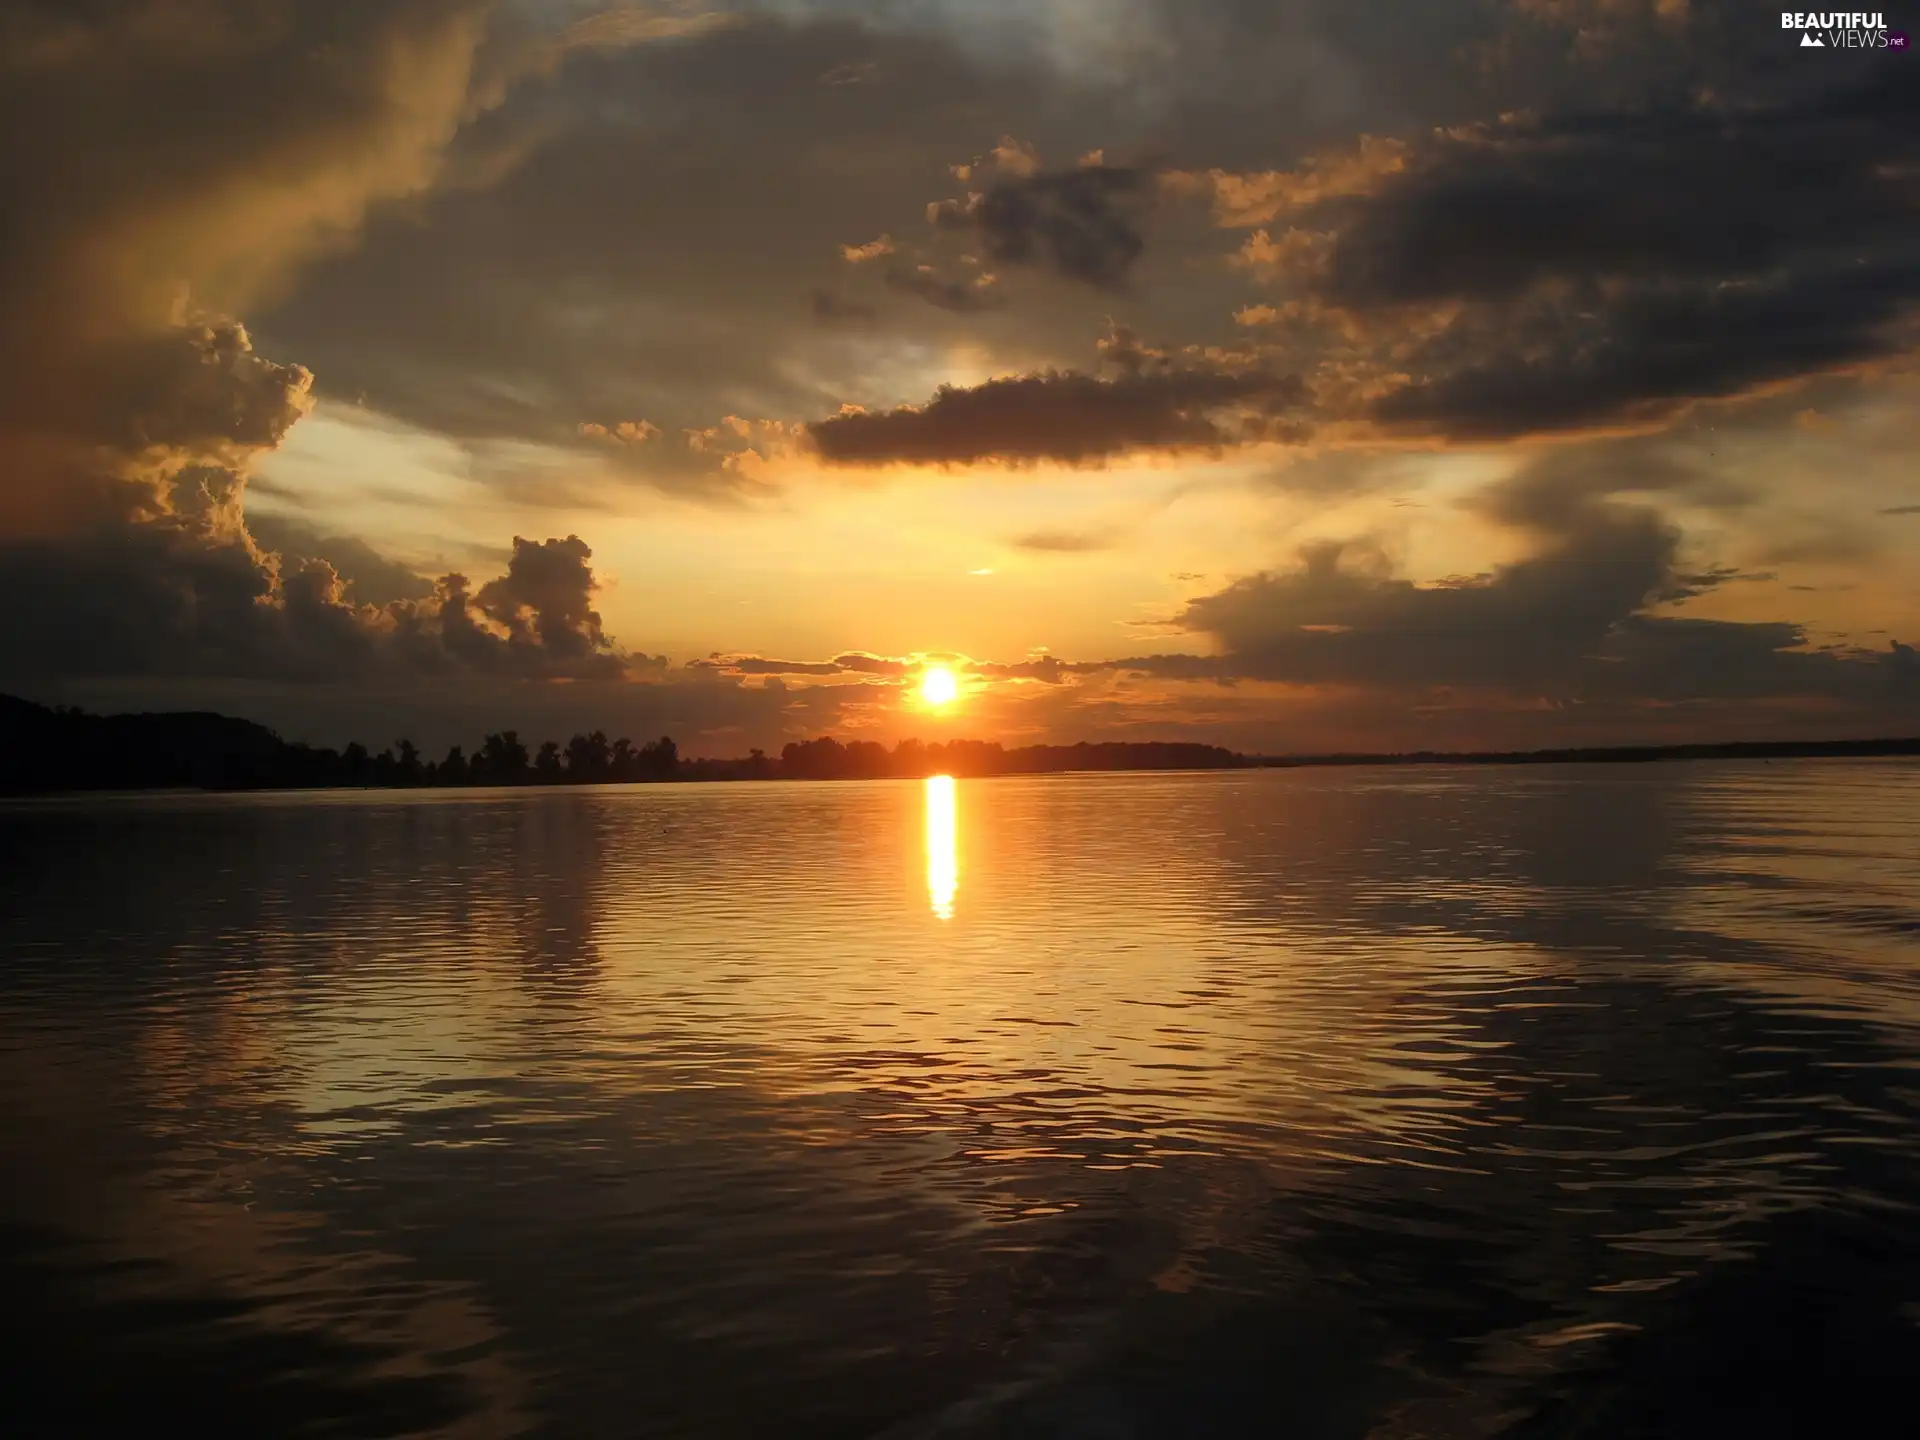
{"x":546,"y":765}
{"x":502,"y":760}
{"x":589,"y":758}
{"x":812,"y":759}
{"x":67,"y":749}
{"x":659,"y":760}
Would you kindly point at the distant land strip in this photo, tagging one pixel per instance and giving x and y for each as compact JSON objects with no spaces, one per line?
{"x":51,"y":750}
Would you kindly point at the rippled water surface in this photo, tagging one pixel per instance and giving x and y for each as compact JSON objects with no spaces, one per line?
{"x":1384,"y":1103}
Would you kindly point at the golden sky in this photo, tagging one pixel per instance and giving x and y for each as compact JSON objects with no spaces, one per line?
{"x":1292,"y":377}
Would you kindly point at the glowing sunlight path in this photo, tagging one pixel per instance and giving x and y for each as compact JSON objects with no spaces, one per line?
{"x":943,"y":851}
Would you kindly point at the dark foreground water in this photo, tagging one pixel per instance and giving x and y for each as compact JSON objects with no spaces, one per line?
{"x":1388,"y":1103}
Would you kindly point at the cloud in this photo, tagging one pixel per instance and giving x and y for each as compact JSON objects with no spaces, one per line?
{"x":1080,"y":222}
{"x":544,"y":601}
{"x":1706,"y":189}
{"x":1577,"y":622}
{"x":371,"y":578}
{"x":1529,"y":626}
{"x":1065,"y":542}
{"x":511,"y":312}
{"x":1647,"y":353}
{"x":625,"y":432}
{"x":191,"y":596}
{"x":852,"y":662}
{"x":187,"y":160}
{"x":963,"y":297}
{"x":872,"y":250}
{"x":1262,"y":197}
{"x":1159,"y":401}
{"x":1046,"y":669}
{"x":762,"y":665}
{"x":1609,"y":269}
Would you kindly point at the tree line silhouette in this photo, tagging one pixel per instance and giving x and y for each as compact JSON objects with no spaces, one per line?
{"x":44,"y":749}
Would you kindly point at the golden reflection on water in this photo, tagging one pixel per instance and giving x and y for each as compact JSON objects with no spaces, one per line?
{"x":943,"y":850}
{"x":1177,"y":1001}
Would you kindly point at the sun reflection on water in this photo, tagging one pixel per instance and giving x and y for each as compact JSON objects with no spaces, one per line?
{"x":943,"y":851}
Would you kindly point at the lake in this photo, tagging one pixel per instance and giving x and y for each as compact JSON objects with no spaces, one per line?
{"x":1534,"y":1101}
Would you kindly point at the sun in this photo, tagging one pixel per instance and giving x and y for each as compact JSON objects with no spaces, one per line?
{"x":938,"y":686}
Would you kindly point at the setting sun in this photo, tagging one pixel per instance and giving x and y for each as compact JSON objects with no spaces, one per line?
{"x":939,"y":687}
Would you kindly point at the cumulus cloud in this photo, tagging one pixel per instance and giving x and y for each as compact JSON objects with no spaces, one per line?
{"x":1578,"y":621}
{"x":371,"y":578}
{"x":185,"y":595}
{"x":185,"y":161}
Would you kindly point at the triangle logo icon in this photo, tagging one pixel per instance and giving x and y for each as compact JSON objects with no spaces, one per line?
{"x":1812,"y":42}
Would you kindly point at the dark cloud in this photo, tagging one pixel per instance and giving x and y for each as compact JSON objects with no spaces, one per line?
{"x":1706,"y":190}
{"x":1646,"y":352}
{"x":1566,"y":629}
{"x":1614,"y":267}
{"x":963,"y":297}
{"x":1157,"y":402}
{"x":853,"y":662}
{"x":1901,"y":510}
{"x":1081,"y":223}
{"x":544,"y":601}
{"x":167,"y":597}
{"x":760,"y":665}
{"x":1529,"y":626}
{"x":1574,"y":623}
{"x":186,"y":158}
{"x":863,"y":663}
{"x":1047,"y":669}
{"x":181,"y":597}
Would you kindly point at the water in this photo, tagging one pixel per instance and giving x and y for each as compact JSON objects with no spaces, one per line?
{"x":1383,"y":1103}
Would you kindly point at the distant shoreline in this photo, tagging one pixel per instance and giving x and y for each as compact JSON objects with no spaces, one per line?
{"x":1607,"y":754}
{"x":49,"y":752}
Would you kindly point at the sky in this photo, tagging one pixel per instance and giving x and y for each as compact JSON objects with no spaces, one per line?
{"x":1289,"y":376}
